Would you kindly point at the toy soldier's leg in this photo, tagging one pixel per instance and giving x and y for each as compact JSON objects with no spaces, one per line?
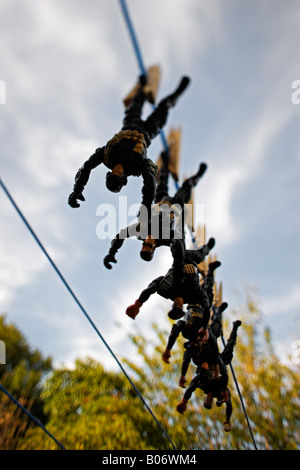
{"x":227,"y":425}
{"x":204,"y":302}
{"x":210,"y":280}
{"x":178,"y":250}
{"x":183,"y":195}
{"x":132,"y":117}
{"x":224,"y":374}
{"x":158,"y":117}
{"x":217,"y":320}
{"x":162,"y":182}
{"x":227,"y":353}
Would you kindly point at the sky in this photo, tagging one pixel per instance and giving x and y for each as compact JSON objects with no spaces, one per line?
{"x":65,"y":67}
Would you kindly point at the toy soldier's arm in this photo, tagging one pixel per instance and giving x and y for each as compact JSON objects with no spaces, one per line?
{"x":117,"y":243}
{"x":175,"y":331}
{"x":134,"y":309}
{"x":205,"y":305}
{"x":151,"y":289}
{"x":82,"y":176}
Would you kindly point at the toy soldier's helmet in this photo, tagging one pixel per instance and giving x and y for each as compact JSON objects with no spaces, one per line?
{"x":114,"y":182}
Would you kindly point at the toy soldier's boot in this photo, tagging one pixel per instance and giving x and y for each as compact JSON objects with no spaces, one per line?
{"x":212,"y":266}
{"x":211,"y":243}
{"x":193,"y":180}
{"x":233,"y":335}
{"x":170,"y":100}
{"x":227,"y":353}
{"x":209,"y":278}
{"x":235,"y":324}
{"x":157,"y":119}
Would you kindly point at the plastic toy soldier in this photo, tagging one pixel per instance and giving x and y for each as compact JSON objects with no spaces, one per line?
{"x":193,"y":321}
{"x":126,"y":153}
{"x":160,"y":229}
{"x":211,"y":379}
{"x":181,"y":290}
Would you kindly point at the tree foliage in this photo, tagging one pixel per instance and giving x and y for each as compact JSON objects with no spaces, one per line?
{"x":93,"y":409}
{"x":90,"y":408}
{"x":269,"y":391}
{"x":22,"y":376}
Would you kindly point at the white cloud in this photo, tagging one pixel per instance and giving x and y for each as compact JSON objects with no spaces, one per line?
{"x":66,"y":66}
{"x":19,"y":265}
{"x":282,"y":304}
{"x":180,"y":31}
{"x":53,"y":158}
{"x":242,"y":161}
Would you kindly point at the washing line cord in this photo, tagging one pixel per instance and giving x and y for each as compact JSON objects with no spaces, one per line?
{"x":82,"y":308}
{"x":33,"y":418}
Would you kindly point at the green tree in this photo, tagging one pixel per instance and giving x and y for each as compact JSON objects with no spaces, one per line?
{"x":22,"y":376}
{"x":270,"y":392}
{"x":90,"y":408}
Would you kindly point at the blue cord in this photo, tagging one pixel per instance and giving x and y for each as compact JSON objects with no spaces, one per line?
{"x":79,"y":304}
{"x":37,"y":421}
{"x":138,"y":56}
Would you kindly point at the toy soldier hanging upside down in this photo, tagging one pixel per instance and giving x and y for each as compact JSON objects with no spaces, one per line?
{"x":181,"y":284}
{"x":194,"y":321}
{"x":126,"y":153}
{"x":165,"y":226}
{"x":211,"y":374}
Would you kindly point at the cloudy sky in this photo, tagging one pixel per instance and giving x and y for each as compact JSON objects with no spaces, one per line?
{"x":66,"y":66}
